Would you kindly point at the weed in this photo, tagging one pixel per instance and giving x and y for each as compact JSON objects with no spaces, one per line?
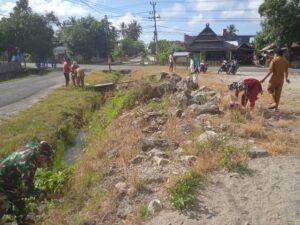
{"x":137,"y":182}
{"x":232,"y":159}
{"x":51,"y":181}
{"x":182,"y":194}
{"x":143,"y":212}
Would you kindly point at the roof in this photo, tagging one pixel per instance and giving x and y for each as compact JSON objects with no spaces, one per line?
{"x":207,"y":40}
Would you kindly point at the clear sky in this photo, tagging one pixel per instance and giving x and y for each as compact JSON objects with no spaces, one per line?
{"x":177,"y":17}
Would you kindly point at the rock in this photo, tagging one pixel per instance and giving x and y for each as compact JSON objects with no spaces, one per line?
{"x":175,"y":78}
{"x":208,"y":125}
{"x":198,"y":98}
{"x":160,"y":161}
{"x":137,"y":159}
{"x":186,"y":84}
{"x":162,"y":144}
{"x":176,"y":112}
{"x":150,"y":129}
{"x":121,"y":187}
{"x":162,"y":76}
{"x":195,"y":109}
{"x":207,"y":135}
{"x":124,"y":209}
{"x":182,"y":99}
{"x":204,"y":88}
{"x":179,"y":151}
{"x":188,"y":159}
{"x":154,"y":206}
{"x":256,"y":152}
{"x":131,"y":191}
{"x":158,"y":153}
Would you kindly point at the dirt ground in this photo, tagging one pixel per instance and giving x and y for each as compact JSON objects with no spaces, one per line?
{"x":268,"y":195}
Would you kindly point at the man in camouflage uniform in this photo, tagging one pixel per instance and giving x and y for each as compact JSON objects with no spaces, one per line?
{"x":17,"y":176}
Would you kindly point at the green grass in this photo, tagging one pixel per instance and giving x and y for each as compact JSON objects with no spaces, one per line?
{"x":100,"y":77}
{"x":55,"y":119}
{"x":164,"y":105}
{"x":182,"y":194}
{"x":143,"y":212}
{"x":232,"y":159}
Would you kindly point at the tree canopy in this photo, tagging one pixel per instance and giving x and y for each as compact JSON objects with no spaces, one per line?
{"x":30,"y":32}
{"x":281,"y":24}
{"x":232,"y":29}
{"x":88,"y":37}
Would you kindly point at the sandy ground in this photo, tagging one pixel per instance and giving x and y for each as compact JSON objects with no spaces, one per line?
{"x":270,"y":195}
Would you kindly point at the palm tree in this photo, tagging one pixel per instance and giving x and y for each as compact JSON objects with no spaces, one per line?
{"x":134,"y":30}
{"x":124,"y":29}
{"x":232,"y":29}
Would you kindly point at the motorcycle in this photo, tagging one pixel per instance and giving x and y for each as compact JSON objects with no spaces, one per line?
{"x":203,"y":67}
{"x":233,"y":67}
{"x":224,"y":67}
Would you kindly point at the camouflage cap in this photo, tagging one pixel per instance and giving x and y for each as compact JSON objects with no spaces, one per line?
{"x":45,"y":149}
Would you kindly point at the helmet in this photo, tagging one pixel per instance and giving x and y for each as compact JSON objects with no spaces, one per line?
{"x":45,"y":149}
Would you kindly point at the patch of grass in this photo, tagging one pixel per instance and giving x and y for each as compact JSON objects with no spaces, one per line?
{"x":137,"y":182}
{"x":143,"y":212}
{"x":164,"y":105}
{"x":182,"y":194}
{"x":55,"y":119}
{"x":232,"y":159}
{"x":100,"y":77}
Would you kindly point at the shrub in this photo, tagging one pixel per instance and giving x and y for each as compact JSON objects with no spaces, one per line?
{"x":182,"y":195}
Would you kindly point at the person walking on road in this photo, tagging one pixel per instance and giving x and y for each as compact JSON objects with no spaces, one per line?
{"x":278,"y":70}
{"x":17,"y":178}
{"x":67,"y":70}
{"x":171,"y":62}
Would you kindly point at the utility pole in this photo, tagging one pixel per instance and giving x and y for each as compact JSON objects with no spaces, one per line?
{"x":154,"y":17}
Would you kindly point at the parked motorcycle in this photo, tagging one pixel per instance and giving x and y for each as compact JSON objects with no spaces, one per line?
{"x":224,"y":67}
{"x":203,"y":67}
{"x":234,"y":65}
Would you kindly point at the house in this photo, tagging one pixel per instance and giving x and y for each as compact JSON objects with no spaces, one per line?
{"x":293,"y":55}
{"x":211,"y":47}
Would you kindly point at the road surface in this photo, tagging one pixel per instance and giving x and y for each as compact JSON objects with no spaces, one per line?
{"x":22,"y":93}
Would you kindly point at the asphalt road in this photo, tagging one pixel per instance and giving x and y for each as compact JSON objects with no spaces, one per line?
{"x":22,"y":93}
{"x":19,"y":94}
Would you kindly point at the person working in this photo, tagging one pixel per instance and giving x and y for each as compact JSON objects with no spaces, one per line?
{"x":17,"y":177}
{"x":251,"y":88}
{"x":278,"y":70}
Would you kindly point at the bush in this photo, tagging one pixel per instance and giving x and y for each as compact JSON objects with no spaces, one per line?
{"x":182,"y":195}
{"x":51,"y":182}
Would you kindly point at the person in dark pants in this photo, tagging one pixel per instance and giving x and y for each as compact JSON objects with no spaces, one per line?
{"x":67,"y":70}
{"x":17,"y":178}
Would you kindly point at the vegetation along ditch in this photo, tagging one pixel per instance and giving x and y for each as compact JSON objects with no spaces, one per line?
{"x":70,"y":120}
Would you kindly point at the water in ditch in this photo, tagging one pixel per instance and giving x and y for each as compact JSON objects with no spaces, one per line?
{"x":73,"y":152}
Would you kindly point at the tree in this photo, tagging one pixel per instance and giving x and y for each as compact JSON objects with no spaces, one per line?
{"x":27,"y":31}
{"x":164,"y":49}
{"x":134,"y":30}
{"x":129,"y":47}
{"x":232,"y":29}
{"x":123,"y":30}
{"x":281,"y":23}
{"x":88,"y":37}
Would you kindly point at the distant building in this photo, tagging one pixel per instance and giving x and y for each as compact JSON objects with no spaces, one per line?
{"x":211,"y":47}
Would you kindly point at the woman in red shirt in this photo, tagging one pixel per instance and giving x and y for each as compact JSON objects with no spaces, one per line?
{"x":251,"y":87}
{"x":67,"y":70}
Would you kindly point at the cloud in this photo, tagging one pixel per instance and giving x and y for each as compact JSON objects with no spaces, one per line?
{"x":61,"y":8}
{"x":176,"y":10}
{"x":196,"y":19}
{"x":127,"y":18}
